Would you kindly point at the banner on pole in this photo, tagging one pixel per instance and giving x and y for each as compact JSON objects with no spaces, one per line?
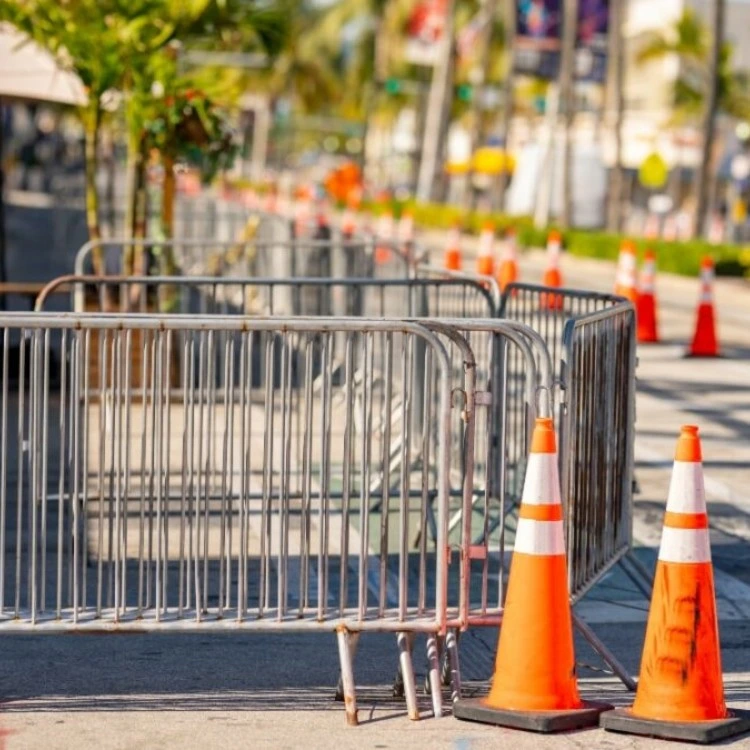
{"x":424,"y":31}
{"x":539,"y":34}
{"x":591,"y":40}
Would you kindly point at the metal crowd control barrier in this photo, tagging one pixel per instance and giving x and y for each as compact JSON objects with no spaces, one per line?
{"x":186,"y":472}
{"x":208,"y":217}
{"x":509,"y":372}
{"x":210,"y":295}
{"x":592,"y":337}
{"x":464,"y":302}
{"x":597,"y":430}
{"x":251,"y":255}
{"x":234,"y":496}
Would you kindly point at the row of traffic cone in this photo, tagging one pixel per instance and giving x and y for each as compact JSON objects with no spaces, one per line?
{"x":507,"y":270}
{"x":680,"y":694}
{"x":642,"y":293}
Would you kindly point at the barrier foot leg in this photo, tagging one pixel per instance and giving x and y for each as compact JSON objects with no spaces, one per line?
{"x":451,"y":648}
{"x":347,"y":676}
{"x":446,"y":675}
{"x":433,"y":659}
{"x":398,"y":684}
{"x":353,"y":642}
{"x":609,"y":658}
{"x":406,"y":668}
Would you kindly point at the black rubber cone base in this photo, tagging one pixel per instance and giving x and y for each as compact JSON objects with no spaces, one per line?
{"x":474,"y":709}
{"x":702,"y":732}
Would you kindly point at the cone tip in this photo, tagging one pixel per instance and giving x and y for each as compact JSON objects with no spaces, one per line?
{"x":649,"y":254}
{"x":543,"y":440}
{"x":689,"y":445}
{"x":707,"y":262}
{"x":627,"y":246}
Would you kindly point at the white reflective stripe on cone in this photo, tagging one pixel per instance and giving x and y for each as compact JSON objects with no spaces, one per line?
{"x":542,"y":483}
{"x":687,"y":493}
{"x":684,"y":545}
{"x":539,"y":537}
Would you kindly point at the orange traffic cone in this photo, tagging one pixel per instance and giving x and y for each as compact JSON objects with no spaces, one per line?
{"x":716,"y":230}
{"x":651,"y":227}
{"x":627,"y":274}
{"x":705,"y":343}
{"x":384,"y":237}
{"x":535,"y":686}
{"x":452,"y":260}
{"x":669,"y":230}
{"x":406,"y":228}
{"x":680,"y":693}
{"x":348,"y":224}
{"x":302,"y":216}
{"x":271,"y":204}
{"x":646,"y":304}
{"x":508,"y":271}
{"x":485,"y":258}
{"x":552,"y":275}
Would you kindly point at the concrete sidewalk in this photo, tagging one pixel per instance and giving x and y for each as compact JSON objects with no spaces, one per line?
{"x":271,"y":691}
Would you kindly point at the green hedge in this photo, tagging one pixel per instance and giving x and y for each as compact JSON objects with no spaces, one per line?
{"x":675,"y":257}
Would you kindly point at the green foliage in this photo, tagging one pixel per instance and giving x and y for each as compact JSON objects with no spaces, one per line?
{"x":674,"y":257}
{"x":689,"y":40}
{"x":190,"y":126}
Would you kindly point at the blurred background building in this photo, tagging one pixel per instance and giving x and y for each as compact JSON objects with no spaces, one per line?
{"x":587,"y":113}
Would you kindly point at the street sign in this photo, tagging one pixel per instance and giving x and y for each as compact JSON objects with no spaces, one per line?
{"x":653,"y":172}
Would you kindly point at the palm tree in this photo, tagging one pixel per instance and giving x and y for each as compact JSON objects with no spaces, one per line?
{"x":707,"y":83}
{"x":156,"y":77}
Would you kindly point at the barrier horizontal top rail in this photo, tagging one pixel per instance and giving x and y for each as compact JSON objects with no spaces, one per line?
{"x":487,"y":282}
{"x":248,"y":256}
{"x":435,"y":297}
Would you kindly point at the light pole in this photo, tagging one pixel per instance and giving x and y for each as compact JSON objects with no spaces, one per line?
{"x":709,"y":119}
{"x":437,"y":100}
{"x":567,"y":99}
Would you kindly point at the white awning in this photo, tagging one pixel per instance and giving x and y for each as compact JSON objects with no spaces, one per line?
{"x":27,"y":71}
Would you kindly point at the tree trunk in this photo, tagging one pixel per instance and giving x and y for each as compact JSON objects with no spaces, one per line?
{"x":132,"y":164}
{"x":476,"y":131}
{"x":567,"y":98}
{"x":140,"y":220}
{"x":432,"y":145}
{"x":709,"y":121}
{"x":169,"y":190}
{"x":617,"y":81}
{"x":92,"y":122}
{"x":510,"y":36}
